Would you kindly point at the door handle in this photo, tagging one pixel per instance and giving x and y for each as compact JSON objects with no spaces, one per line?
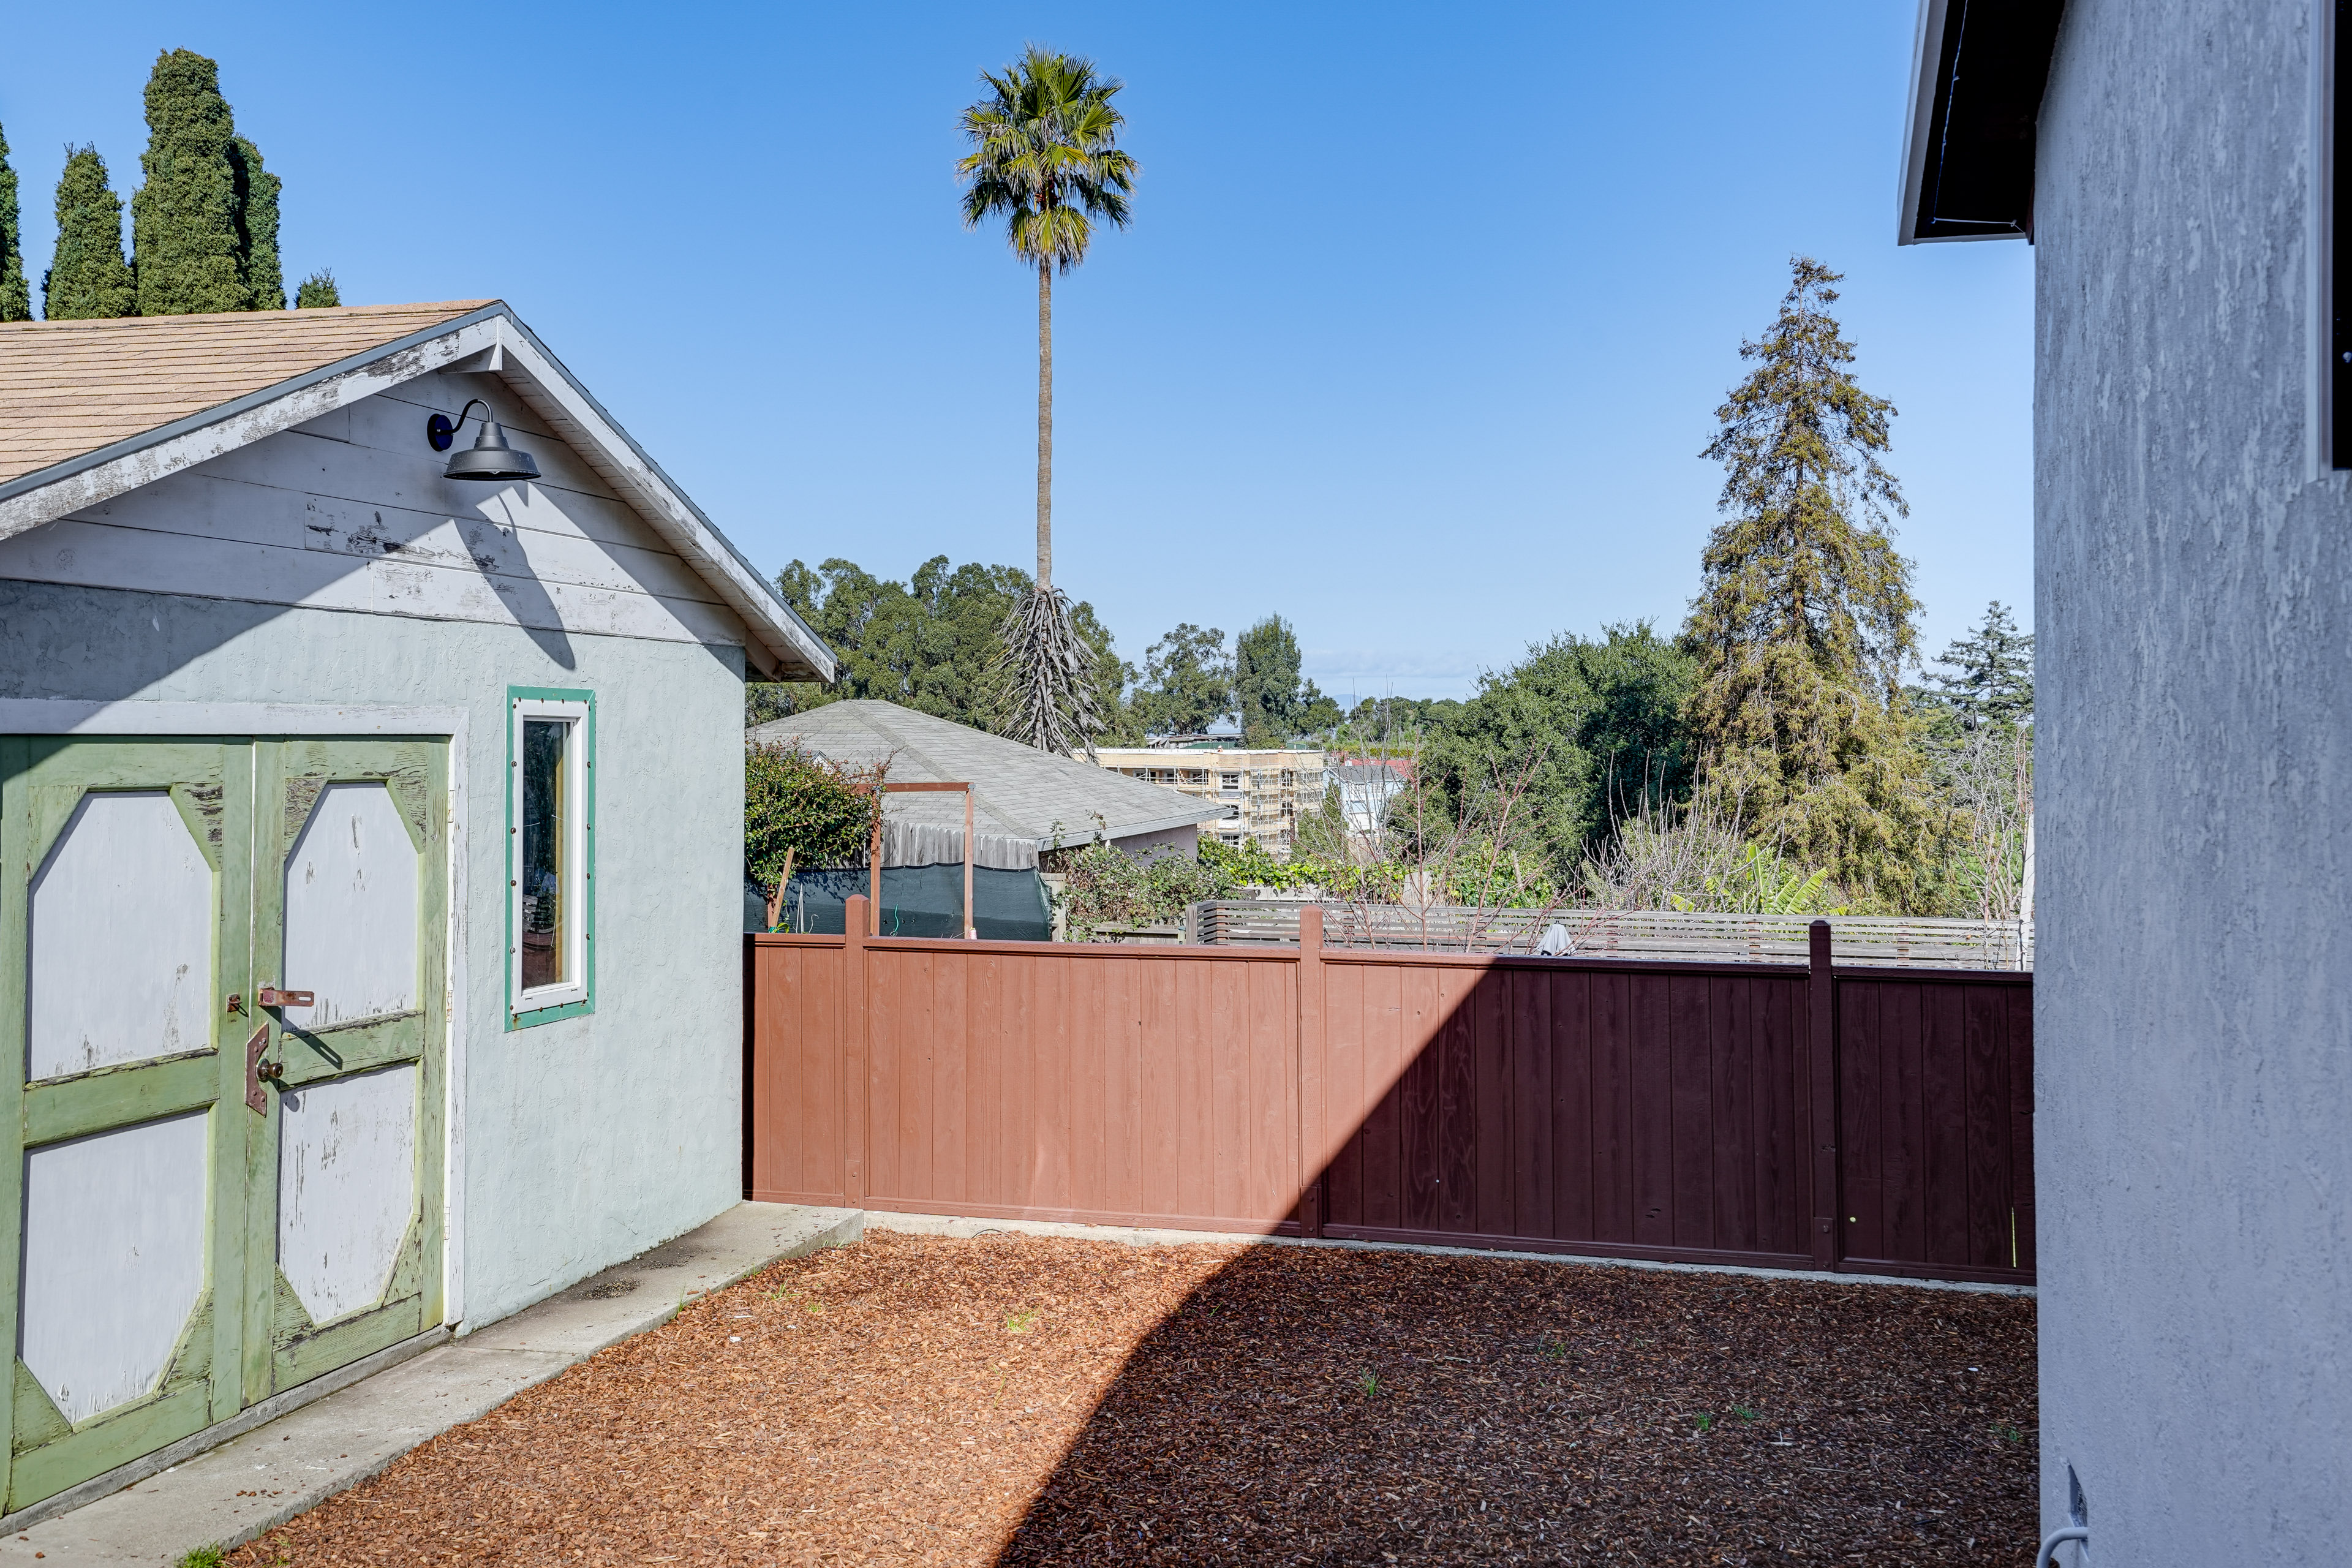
{"x":255,"y":1100}
{"x":273,"y":998}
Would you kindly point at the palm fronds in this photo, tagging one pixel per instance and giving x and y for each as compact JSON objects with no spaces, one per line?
{"x":1043,"y":156}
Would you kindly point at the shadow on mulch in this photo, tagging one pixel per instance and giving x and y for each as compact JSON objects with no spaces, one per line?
{"x":1316,"y":1407}
{"x":1019,"y":1400}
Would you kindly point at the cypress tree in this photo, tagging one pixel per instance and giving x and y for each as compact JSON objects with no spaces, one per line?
{"x":1805,"y":618}
{"x":15,"y":300}
{"x":88,"y":278}
{"x":257,"y":227}
{"x":318,"y":292}
{"x":183,"y":219}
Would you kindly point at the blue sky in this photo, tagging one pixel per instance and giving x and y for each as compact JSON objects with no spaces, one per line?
{"x":1415,"y":339}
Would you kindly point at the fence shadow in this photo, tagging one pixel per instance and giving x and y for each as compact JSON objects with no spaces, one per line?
{"x":1655,"y":1111}
{"x":1330,"y":1405}
{"x":1767,"y":1115}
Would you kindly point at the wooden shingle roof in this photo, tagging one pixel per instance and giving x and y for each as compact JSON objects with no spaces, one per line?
{"x":71,"y":387}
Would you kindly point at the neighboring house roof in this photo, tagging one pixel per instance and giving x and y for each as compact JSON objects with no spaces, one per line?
{"x":1017,"y":790}
{"x":1978,"y":68}
{"x":90,"y":410}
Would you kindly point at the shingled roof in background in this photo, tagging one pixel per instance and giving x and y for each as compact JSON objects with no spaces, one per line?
{"x":1018,"y":790}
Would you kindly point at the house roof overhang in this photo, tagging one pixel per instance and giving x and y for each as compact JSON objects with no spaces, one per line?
{"x":491,"y":338}
{"x":1977,"y":70}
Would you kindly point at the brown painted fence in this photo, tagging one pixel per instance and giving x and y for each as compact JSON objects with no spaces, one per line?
{"x":1785,"y":1116}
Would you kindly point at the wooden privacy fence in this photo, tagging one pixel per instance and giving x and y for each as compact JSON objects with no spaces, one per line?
{"x":1868,"y":1119}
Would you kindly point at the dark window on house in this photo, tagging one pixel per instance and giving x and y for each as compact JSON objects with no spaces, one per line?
{"x":546,"y":838}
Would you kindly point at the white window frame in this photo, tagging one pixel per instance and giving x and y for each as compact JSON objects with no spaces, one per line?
{"x":545,"y":1004}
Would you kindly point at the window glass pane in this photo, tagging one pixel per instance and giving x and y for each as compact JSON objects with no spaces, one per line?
{"x":546,"y":807}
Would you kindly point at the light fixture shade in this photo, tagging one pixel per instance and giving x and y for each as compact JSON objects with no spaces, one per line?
{"x":489,"y":457}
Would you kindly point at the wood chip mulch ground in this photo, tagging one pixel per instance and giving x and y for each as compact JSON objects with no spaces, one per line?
{"x":1020,"y":1400}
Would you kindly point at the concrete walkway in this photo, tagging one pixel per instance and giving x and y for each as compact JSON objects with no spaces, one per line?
{"x":228,"y":1494}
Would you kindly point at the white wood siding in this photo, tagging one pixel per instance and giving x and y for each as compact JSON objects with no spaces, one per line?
{"x":350,"y":512}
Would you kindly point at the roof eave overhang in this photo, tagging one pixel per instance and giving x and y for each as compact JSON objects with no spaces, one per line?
{"x":1978,"y":68}
{"x":782,"y":643}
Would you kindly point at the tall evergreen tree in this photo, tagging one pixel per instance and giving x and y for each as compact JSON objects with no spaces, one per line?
{"x":1988,"y":674}
{"x":88,"y":278}
{"x":1045,"y":159}
{"x":15,"y":297}
{"x":1805,"y":618}
{"x":318,"y":292}
{"x":184,"y":220}
{"x":257,"y":227}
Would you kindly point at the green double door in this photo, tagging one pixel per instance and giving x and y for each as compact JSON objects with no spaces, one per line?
{"x":222,"y":982}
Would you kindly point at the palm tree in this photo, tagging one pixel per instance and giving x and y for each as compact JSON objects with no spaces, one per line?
{"x":1044,"y":158}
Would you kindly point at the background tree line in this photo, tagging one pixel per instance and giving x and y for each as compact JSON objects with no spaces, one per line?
{"x":1768,"y":756}
{"x":934,"y":643}
{"x":203,"y":222}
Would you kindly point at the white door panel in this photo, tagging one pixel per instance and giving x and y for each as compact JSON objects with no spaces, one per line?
{"x":121,"y":939}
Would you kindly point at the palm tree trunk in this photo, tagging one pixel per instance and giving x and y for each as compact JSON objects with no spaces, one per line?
{"x":1044,"y":425}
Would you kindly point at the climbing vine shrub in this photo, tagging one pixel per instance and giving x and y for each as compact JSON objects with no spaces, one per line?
{"x":820,"y":812}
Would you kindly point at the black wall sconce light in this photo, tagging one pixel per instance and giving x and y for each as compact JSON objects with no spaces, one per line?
{"x":489,"y":457}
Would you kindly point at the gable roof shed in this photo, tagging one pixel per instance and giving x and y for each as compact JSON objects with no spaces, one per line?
{"x":90,"y":410}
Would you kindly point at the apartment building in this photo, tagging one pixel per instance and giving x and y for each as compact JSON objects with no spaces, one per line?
{"x":1268,"y":791}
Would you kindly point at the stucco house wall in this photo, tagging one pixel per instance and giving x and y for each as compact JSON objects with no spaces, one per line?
{"x":575,"y":1143}
{"x":2193,"y":583}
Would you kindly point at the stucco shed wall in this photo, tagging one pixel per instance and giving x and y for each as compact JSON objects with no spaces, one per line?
{"x":584,"y":1141}
{"x":2194,"y":613}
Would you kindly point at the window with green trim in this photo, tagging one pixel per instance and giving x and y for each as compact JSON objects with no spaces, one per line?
{"x":550,"y":853}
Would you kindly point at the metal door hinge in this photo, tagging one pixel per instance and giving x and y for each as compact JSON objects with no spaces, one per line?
{"x":273,"y":998}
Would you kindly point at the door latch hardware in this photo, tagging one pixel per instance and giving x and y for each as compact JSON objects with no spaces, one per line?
{"x":256,"y":1099}
{"x":273,"y":998}
{"x":270,"y":1072}
{"x":236,"y":1003}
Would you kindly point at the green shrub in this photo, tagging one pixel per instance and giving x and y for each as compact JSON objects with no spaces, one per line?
{"x":1108,"y":888}
{"x":820,"y":812}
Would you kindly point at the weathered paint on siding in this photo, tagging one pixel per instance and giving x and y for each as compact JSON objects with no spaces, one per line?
{"x":581,"y":1142}
{"x":349,"y":512}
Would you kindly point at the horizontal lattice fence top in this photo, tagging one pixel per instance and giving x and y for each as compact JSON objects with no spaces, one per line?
{"x":1626,"y":933}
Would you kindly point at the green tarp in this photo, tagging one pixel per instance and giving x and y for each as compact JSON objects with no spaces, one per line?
{"x":916,"y":900}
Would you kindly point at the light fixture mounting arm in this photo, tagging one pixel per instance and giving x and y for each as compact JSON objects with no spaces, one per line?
{"x":441,"y":430}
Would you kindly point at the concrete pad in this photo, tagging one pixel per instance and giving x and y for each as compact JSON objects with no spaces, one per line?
{"x":230,"y":1493}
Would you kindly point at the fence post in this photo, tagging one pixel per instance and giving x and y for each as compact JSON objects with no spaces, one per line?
{"x":1308,"y":1075}
{"x":1822,"y":1016}
{"x":855,"y":993}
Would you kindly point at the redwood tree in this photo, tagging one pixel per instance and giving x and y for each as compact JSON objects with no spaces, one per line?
{"x":1805,"y":618}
